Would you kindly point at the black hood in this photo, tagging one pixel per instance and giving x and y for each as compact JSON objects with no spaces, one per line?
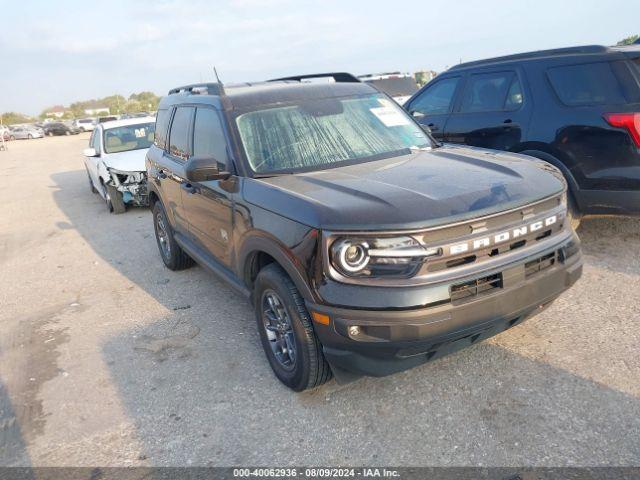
{"x":421,"y":189}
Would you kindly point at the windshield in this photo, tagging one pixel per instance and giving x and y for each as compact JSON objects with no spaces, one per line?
{"x":396,"y":87}
{"x":129,"y":137}
{"x":324,"y":133}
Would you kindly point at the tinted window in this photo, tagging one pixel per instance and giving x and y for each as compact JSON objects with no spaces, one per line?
{"x":436,"y":98}
{"x":588,"y":84}
{"x":178,"y":138}
{"x":208,"y":136}
{"x":162,"y":123}
{"x":487,"y":92}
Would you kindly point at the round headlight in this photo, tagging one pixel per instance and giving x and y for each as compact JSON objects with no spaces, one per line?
{"x":351,"y":256}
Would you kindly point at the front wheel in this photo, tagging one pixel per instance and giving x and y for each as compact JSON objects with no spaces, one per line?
{"x":67,"y":132}
{"x":115,"y":202}
{"x":30,"y":137}
{"x":292,"y":348}
{"x":12,"y":138}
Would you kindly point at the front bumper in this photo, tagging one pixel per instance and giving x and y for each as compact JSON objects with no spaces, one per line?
{"x":391,"y":340}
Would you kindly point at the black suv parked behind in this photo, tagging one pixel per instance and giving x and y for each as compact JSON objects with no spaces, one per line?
{"x":366,"y":247}
{"x":577,"y":108}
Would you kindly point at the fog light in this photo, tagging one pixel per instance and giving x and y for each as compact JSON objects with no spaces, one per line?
{"x":354,"y":331}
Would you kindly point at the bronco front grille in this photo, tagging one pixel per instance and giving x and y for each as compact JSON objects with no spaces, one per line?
{"x":476,"y":287}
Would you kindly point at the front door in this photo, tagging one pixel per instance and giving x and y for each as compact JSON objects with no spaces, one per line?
{"x":432,"y":106}
{"x":209,"y":205}
{"x":492,"y":114}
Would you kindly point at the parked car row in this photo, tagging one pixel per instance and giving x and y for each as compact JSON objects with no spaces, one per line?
{"x":372,"y":238}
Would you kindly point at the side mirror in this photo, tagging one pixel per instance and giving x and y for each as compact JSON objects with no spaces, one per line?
{"x":201,"y":169}
{"x":90,"y":152}
{"x":416,"y":114}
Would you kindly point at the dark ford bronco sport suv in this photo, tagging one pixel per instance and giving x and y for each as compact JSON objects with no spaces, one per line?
{"x":577,"y":108}
{"x":365,"y":247}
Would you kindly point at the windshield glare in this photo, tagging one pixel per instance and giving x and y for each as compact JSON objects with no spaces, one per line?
{"x":323,"y":133}
{"x":129,"y":137}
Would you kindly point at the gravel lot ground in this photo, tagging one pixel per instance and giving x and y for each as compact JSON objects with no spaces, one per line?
{"x":108,"y":358}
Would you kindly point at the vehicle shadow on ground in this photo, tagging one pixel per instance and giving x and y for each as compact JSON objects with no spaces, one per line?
{"x":196,"y":385}
{"x":13,"y":449}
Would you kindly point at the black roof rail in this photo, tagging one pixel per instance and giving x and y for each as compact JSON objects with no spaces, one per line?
{"x":340,"y":77}
{"x":210,"y":88}
{"x":587,"y":49}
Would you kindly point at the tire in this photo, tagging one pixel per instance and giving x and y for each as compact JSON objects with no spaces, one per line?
{"x":50,"y":134}
{"x":115,"y":204}
{"x":82,"y":130}
{"x":308,"y":368}
{"x":12,"y":138}
{"x":172,"y":254}
{"x":30,"y":137}
{"x":67,"y":132}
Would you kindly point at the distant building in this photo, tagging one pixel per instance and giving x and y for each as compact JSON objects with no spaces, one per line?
{"x":92,"y":112}
{"x":57,"y":111}
{"x":424,"y":76}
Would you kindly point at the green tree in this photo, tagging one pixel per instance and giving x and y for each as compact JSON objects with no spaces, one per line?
{"x":11,"y":118}
{"x":133,"y":106}
{"x":629,"y":40}
{"x":148,"y":100}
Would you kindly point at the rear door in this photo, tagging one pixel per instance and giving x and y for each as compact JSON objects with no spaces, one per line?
{"x":493,"y":112}
{"x":432,"y":106}
{"x":208,"y":205}
{"x":168,"y":165}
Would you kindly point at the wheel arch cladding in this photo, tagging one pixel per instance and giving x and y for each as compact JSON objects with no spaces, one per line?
{"x":260,"y":251}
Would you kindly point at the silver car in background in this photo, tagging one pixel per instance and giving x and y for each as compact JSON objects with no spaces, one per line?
{"x":25,"y":132}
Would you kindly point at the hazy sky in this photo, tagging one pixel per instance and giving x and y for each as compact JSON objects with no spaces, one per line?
{"x":62,"y":51}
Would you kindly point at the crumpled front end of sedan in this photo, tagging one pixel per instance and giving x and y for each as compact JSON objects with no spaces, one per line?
{"x":132,"y":185}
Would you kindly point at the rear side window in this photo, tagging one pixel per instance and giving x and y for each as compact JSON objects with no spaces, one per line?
{"x":162,"y":124}
{"x":179,"y":136}
{"x":208,"y":136}
{"x":437,"y":98}
{"x":587,"y":84}
{"x":492,"y":92}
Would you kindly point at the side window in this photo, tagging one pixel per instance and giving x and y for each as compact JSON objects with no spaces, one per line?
{"x":437,"y":98}
{"x":487,"y":92}
{"x":94,"y":141}
{"x":587,"y":84}
{"x":178,"y":138}
{"x":162,"y":124}
{"x":208,"y":136}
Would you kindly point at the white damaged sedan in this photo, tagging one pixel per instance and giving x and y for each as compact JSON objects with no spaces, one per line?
{"x":115,"y":161}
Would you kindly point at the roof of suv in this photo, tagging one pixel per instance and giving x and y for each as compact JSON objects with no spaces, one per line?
{"x":572,"y":52}
{"x":245,"y":95}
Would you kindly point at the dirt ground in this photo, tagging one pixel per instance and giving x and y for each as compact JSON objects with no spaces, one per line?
{"x":108,"y":358}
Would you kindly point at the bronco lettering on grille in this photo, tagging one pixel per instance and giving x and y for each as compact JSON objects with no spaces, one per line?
{"x":501,"y":237}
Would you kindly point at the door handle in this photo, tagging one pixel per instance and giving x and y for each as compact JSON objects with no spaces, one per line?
{"x":507,"y":121}
{"x":187,"y":187}
{"x":433,"y":127}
